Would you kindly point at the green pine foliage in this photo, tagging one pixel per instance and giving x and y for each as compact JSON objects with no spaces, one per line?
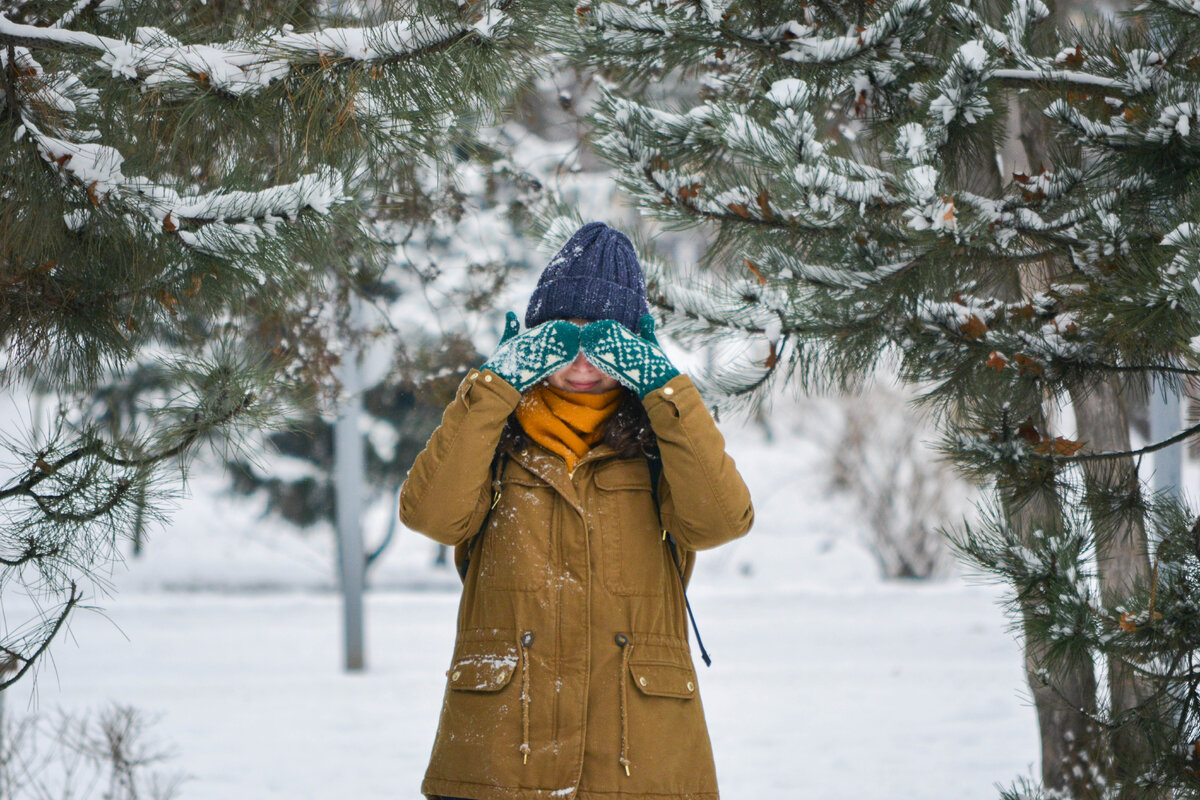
{"x":845,"y":160}
{"x":182,"y":204}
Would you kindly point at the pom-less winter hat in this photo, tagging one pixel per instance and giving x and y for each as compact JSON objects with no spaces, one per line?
{"x":596,"y":275}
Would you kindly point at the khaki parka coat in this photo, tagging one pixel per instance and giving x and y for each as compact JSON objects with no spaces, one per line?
{"x":571,"y":675}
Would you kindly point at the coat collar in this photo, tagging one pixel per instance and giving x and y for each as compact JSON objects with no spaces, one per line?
{"x":551,"y":467}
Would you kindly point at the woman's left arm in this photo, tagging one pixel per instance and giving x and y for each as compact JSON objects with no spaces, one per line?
{"x":706,"y":502}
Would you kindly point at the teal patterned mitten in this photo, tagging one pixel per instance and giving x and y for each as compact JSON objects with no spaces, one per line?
{"x":636,"y":361}
{"x":523,"y":359}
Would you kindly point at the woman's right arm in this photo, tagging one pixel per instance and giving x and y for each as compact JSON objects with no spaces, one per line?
{"x":448,"y":490}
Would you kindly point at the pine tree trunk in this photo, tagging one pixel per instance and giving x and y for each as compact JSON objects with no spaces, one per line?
{"x":1122,"y":557}
{"x":1064,"y":690}
{"x":1121,"y":552}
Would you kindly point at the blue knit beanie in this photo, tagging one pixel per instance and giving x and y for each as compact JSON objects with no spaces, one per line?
{"x":596,"y":275}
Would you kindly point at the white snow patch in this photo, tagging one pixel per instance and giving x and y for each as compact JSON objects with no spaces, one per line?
{"x":791,"y":92}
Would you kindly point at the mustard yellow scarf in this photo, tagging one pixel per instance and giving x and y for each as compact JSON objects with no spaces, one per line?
{"x":567,"y":423}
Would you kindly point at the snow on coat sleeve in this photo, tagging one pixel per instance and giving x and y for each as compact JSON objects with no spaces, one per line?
{"x":448,"y":490}
{"x":705,"y":502}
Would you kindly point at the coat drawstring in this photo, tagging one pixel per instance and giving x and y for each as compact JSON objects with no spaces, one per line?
{"x":526,"y":643}
{"x":626,"y":648}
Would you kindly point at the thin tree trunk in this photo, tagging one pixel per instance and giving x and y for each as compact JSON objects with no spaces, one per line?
{"x":1064,"y":691}
{"x":1121,"y":550}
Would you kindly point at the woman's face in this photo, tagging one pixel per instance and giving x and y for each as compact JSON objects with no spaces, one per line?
{"x":580,"y":375}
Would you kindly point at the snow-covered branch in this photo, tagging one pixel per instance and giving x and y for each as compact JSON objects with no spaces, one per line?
{"x":1191,"y":7}
{"x":246,"y":68}
{"x":1051,"y":75}
{"x":1172,"y":126}
{"x":215,"y":222}
{"x":900,"y":18}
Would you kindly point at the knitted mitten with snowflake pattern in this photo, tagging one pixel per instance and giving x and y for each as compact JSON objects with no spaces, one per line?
{"x":636,"y":361}
{"x":525,"y":358}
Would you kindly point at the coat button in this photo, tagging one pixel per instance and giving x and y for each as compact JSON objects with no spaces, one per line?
{"x":487,"y":378}
{"x":668,"y":391}
{"x":642,"y":681}
{"x":691,"y":686}
{"x":455,"y":675}
{"x":621,"y":639}
{"x":527,"y":639}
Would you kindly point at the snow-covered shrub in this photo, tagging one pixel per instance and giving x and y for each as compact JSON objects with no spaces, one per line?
{"x":104,"y":756}
{"x":883,"y":459}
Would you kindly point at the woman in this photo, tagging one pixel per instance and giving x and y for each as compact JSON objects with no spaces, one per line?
{"x":571,"y":675}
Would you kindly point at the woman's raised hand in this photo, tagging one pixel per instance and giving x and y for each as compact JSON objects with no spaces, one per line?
{"x":637,"y":361}
{"x":524,"y":358}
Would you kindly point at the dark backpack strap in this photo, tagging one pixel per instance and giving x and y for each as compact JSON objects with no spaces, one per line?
{"x":496,"y":469}
{"x":655,"y":464}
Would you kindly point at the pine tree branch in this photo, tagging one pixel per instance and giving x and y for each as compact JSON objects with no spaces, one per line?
{"x":240,"y":69}
{"x":72,"y":601}
{"x":748,"y":390}
{"x":984,"y":348}
{"x":776,"y":222}
{"x":31,"y":554}
{"x":108,"y":505}
{"x":10,"y":91}
{"x":213,"y":217}
{"x":1093,"y":716}
{"x":42,"y":470}
{"x":81,"y":7}
{"x":94,"y":447}
{"x":1192,"y":678}
{"x":39,"y":38}
{"x":1164,"y":368}
{"x":662,"y":301}
{"x":1189,"y":7}
{"x":1018,"y":77}
{"x":786,"y":50}
{"x":835,"y":10}
{"x":1179,"y":437}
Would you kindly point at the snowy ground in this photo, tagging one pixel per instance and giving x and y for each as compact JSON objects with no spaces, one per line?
{"x":893,"y":693}
{"x":827,"y":683}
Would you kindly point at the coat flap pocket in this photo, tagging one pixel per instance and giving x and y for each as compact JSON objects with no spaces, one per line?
{"x":624,"y":475}
{"x":663,"y":678}
{"x":483,"y":666}
{"x":517,"y":474}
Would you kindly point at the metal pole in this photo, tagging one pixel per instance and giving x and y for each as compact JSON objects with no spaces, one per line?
{"x":349,"y":479}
